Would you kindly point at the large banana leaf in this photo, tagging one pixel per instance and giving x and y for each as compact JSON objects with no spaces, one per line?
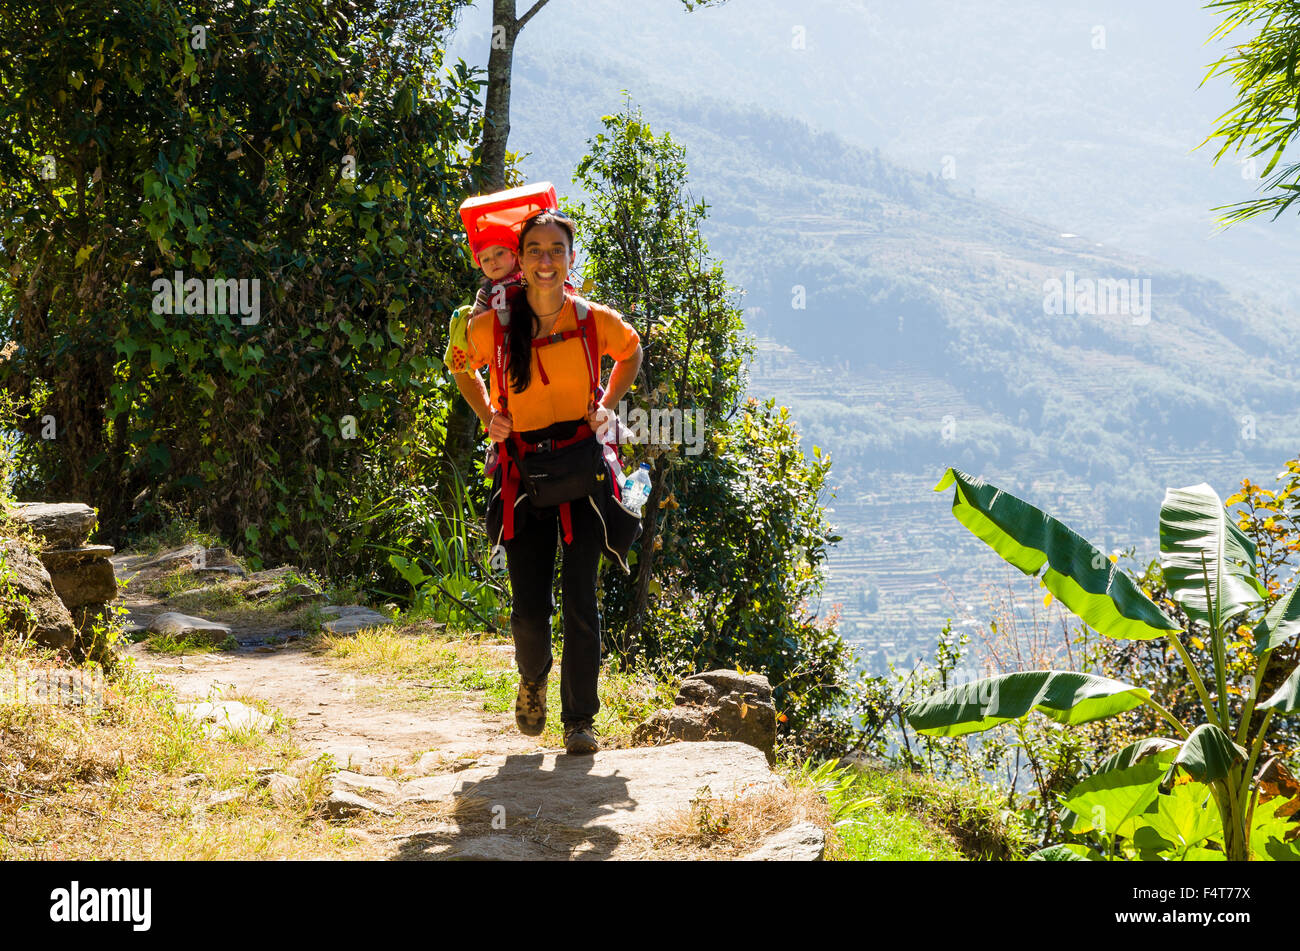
{"x":1274,"y":836}
{"x":1206,"y":755}
{"x":1287,"y":697}
{"x":1198,"y":541}
{"x":1063,"y":695}
{"x":1176,"y":824}
{"x":1077,"y":572}
{"x":1280,"y":624}
{"x":1110,"y":801}
{"x":1275,"y":826}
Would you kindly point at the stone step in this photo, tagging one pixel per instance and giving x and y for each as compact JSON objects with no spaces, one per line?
{"x":65,"y":559}
{"x":58,"y":524}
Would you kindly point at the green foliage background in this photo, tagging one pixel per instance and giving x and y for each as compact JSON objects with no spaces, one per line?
{"x":232,"y":161}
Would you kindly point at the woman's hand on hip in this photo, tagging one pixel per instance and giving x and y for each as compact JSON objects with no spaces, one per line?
{"x":598,"y":417}
{"x":499,"y":427}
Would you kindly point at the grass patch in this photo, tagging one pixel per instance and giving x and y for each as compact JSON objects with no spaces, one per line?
{"x":897,"y":815}
{"x":136,"y":780}
{"x":436,"y":662}
{"x":204,"y":600}
{"x":174,"y":583}
{"x":729,"y":826}
{"x":627,"y":698}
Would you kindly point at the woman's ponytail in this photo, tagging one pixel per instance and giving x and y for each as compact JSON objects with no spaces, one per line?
{"x":519,"y":341}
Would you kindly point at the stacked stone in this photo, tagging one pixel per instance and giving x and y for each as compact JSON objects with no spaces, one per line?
{"x":82,"y":574}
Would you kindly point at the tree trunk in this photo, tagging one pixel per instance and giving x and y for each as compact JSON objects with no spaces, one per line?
{"x":462,"y":424}
{"x":496,"y":106}
{"x":644,"y":570}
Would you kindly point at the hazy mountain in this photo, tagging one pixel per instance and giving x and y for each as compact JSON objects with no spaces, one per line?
{"x":1084,"y":113}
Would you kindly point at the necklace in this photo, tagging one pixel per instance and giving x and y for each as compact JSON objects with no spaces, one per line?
{"x":552,"y":313}
{"x":545,"y":322}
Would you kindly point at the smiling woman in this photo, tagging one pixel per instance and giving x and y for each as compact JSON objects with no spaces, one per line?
{"x":543,"y":410}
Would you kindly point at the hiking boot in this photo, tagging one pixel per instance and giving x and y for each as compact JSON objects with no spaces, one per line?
{"x":530,"y":707}
{"x":580,"y":737}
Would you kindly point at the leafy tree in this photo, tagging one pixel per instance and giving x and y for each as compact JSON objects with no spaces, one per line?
{"x":734,"y":534}
{"x":301,"y":146}
{"x":1265,"y":117}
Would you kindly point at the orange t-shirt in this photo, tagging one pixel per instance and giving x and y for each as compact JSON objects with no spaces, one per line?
{"x":568,"y":393}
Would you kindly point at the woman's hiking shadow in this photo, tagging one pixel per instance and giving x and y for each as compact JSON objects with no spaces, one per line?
{"x":543,"y":806}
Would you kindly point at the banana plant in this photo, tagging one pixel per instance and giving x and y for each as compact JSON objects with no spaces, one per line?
{"x":1198,"y":794}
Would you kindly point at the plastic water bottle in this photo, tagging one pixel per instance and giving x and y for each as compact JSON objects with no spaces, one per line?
{"x":636,"y":488}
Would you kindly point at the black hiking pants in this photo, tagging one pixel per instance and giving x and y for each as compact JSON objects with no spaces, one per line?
{"x":530,"y":558}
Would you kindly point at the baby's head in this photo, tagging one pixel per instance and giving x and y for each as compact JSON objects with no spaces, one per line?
{"x":496,"y":251}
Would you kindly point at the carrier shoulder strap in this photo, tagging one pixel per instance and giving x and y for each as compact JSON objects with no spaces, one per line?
{"x":499,"y":350}
{"x":586,"y":329}
{"x":590,"y":346}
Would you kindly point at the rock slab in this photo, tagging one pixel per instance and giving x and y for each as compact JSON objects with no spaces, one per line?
{"x":351,"y":618}
{"x":226,"y":716}
{"x":58,"y":524}
{"x":82,"y":576}
{"x":613,"y":791}
{"x":176,"y":624}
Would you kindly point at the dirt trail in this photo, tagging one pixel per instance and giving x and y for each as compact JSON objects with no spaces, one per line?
{"x":434,"y":774}
{"x":328,"y":709}
{"x":327,"y":716}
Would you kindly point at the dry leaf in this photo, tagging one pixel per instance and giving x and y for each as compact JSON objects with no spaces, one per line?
{"x":1276,"y":780}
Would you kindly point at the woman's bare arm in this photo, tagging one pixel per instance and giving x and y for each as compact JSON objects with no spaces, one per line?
{"x":620,"y":381}
{"x":471,"y":387}
{"x":621,"y":377}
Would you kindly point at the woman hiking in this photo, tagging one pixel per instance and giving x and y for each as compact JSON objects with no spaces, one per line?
{"x":543,"y":411}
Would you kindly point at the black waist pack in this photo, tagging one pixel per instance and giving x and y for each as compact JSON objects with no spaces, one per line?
{"x":561,"y":475}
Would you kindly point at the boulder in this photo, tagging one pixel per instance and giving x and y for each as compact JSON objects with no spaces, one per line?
{"x":268,"y":575}
{"x":43,"y":613}
{"x":221,"y":571}
{"x":58,"y":524}
{"x":284,"y":788}
{"x":301,"y":592}
{"x":363,"y":785}
{"x":187,"y":557}
{"x":82,"y":574}
{"x":343,"y":804}
{"x":226,"y":716}
{"x":351,"y":618}
{"x":716,"y":705}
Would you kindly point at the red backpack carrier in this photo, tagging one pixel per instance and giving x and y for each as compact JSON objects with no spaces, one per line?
{"x":516,"y":447}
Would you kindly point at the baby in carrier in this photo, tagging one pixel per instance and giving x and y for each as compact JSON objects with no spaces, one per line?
{"x":492,"y":224}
